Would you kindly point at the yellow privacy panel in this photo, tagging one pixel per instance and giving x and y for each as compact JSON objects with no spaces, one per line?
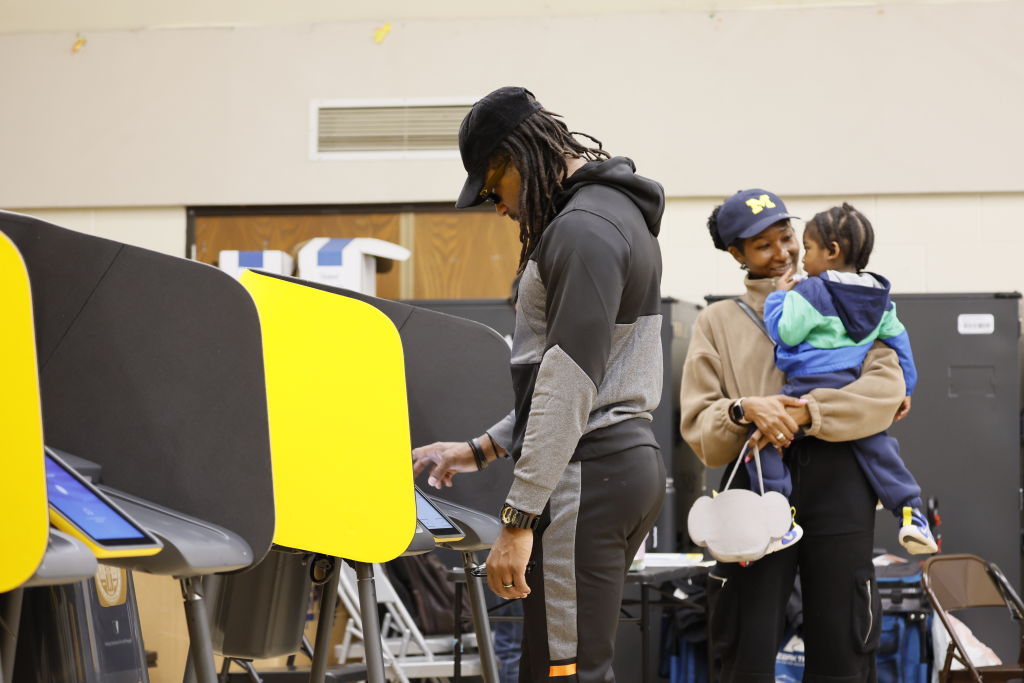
{"x":339,"y":425}
{"x":26,"y":527}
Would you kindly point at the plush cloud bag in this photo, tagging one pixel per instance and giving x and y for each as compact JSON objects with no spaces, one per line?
{"x":738,"y":525}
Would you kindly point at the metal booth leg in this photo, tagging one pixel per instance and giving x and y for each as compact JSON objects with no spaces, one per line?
{"x":11,"y":616}
{"x":328,"y":600}
{"x":200,"y":648}
{"x":481,"y":624}
{"x":371,"y":626}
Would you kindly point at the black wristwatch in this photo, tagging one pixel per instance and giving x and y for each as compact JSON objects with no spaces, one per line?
{"x":514,"y":518}
{"x":736,"y":413}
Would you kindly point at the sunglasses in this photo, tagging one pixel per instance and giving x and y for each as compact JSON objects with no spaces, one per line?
{"x":487,"y":192}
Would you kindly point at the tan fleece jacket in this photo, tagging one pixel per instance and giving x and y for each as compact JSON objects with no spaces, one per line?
{"x":729,"y":357}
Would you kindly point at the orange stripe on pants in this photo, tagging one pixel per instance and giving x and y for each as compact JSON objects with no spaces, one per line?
{"x":562,"y":670}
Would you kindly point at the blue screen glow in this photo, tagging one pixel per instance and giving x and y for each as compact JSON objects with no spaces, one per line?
{"x":83,"y":507}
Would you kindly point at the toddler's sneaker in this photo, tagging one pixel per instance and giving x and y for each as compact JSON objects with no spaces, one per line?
{"x":915,"y":535}
{"x":795,"y":533}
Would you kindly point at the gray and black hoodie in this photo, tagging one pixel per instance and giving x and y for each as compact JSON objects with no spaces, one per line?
{"x":586,"y":355}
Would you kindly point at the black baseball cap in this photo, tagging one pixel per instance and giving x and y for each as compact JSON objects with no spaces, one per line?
{"x":748,"y":212}
{"x":489,"y":122}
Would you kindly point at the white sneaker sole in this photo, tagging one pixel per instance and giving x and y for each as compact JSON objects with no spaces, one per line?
{"x":915,"y":543}
{"x":777,"y":545}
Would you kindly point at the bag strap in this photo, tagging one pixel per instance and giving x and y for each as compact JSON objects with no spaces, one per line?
{"x":739,"y":463}
{"x":754,"y":316}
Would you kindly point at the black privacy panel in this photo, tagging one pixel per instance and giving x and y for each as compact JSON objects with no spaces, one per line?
{"x":152,"y":366}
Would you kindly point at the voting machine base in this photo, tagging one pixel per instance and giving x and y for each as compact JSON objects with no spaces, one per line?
{"x":84,"y":632}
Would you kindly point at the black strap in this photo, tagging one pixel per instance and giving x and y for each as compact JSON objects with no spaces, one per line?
{"x":754,"y":316}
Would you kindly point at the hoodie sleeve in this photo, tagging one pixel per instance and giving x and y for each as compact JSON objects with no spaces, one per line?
{"x":892,"y":332}
{"x":789,"y":316}
{"x":501,"y":432}
{"x":583,"y":267}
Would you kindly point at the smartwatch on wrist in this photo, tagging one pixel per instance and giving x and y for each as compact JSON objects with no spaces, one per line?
{"x":514,"y":518}
{"x":736,"y":413}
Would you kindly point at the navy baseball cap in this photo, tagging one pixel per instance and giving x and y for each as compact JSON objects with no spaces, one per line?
{"x":748,"y":212}
{"x":488,"y":123}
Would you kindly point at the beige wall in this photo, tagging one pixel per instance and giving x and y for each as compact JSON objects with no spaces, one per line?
{"x":22,"y":16}
{"x":938,"y":243}
{"x":913,"y":110}
{"x":866,"y":100}
{"x":158,"y":228}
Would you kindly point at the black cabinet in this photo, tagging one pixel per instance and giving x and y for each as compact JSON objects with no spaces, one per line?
{"x":962,"y":439}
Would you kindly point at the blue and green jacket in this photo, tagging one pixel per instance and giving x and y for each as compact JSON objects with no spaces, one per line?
{"x":822,"y":326}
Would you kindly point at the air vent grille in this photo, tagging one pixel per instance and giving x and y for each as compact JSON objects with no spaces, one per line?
{"x":389,"y":129}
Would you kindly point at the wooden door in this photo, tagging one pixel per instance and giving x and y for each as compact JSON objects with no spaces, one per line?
{"x":455,"y":254}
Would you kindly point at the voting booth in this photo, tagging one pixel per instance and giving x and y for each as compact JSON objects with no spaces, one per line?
{"x":162,"y":388}
{"x":42,"y":568}
{"x":24,"y":489}
{"x":458,"y":384}
{"x":28,"y":550}
{"x":337,"y":367}
{"x":342,"y":473}
{"x":150,"y":367}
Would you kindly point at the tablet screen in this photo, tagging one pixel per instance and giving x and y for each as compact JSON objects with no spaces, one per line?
{"x":86,"y":510}
{"x":431,"y":518}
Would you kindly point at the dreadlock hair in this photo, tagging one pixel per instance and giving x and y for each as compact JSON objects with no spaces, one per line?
{"x":851,"y":229}
{"x":538,"y":148}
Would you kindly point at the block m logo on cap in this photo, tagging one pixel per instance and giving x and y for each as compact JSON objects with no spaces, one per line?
{"x":759,"y":204}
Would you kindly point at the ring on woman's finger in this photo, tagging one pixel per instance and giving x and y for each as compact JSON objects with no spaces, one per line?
{"x":508,"y":585}
{"x":780,"y":436}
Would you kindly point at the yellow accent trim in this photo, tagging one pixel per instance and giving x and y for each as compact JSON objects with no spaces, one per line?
{"x":907,"y":515}
{"x":562,"y":670}
{"x":101,"y":552}
{"x":26,"y":528}
{"x":339,"y":422}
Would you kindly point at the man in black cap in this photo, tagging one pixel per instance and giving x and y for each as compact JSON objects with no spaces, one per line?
{"x":587,"y":374}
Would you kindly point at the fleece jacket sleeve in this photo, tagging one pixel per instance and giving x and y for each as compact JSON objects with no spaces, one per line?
{"x":704,"y":407}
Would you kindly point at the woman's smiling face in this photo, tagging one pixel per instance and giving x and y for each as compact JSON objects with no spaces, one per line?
{"x":769,"y":253}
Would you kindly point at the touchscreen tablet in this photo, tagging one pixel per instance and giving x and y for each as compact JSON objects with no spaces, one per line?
{"x":80,"y":509}
{"x":435,"y":521}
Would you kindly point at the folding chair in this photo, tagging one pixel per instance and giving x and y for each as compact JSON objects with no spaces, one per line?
{"x":408,"y":654}
{"x":954,"y":582}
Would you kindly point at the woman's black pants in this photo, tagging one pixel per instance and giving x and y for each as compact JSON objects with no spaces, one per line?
{"x":841,"y":608}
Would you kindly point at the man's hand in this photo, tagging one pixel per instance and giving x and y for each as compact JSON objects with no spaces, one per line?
{"x":506,"y":563}
{"x":903,"y":410}
{"x":445,"y":459}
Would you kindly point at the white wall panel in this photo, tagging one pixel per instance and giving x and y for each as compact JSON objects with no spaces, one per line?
{"x":901,"y":99}
{"x":156,"y":228}
{"x":955,"y":243}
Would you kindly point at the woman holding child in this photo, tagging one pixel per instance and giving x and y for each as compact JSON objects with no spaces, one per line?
{"x":731,"y":391}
